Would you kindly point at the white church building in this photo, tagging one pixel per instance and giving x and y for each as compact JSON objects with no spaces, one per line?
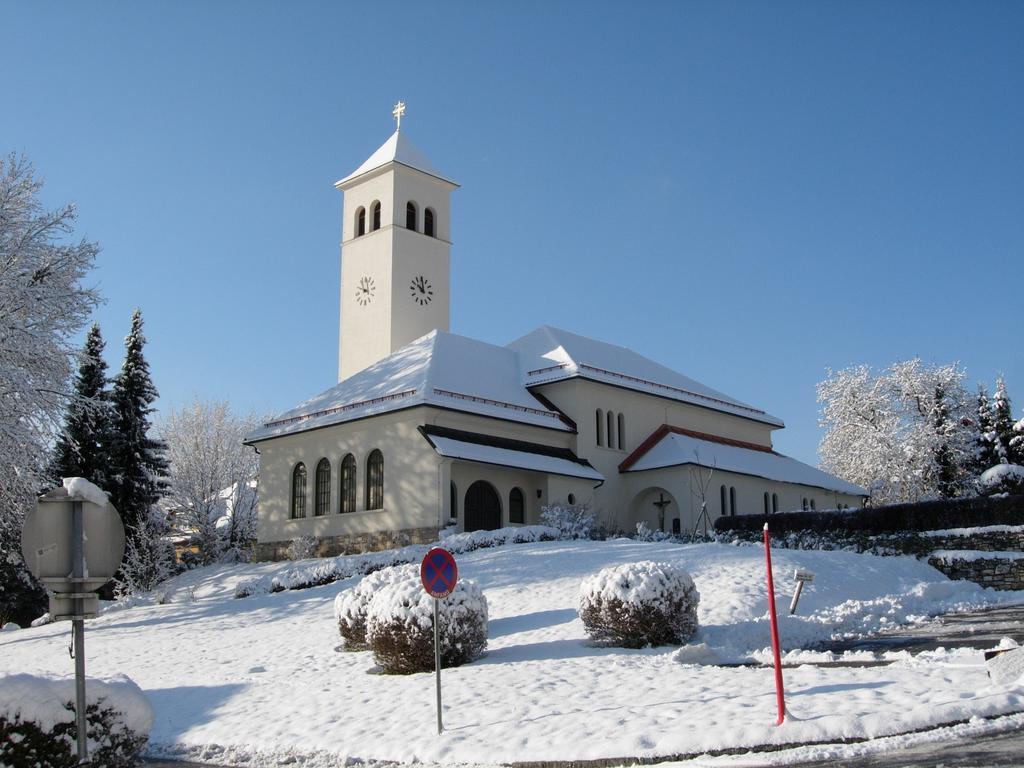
{"x":427,"y":428}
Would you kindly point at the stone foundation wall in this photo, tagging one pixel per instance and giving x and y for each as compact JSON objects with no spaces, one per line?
{"x":995,"y":572}
{"x":350,"y":544}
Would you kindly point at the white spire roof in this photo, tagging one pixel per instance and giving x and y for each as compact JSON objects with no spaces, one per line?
{"x":397,"y":149}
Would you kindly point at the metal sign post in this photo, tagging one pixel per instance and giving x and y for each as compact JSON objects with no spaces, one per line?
{"x":78,"y":627}
{"x":437,"y":661}
{"x":73,"y":542}
{"x":800,"y":576}
{"x":439,"y":575}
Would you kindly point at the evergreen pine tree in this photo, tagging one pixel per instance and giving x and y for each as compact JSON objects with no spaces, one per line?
{"x":985,"y":455}
{"x":138,"y":463}
{"x":1002,"y":424}
{"x":946,"y":470}
{"x":83,"y":449}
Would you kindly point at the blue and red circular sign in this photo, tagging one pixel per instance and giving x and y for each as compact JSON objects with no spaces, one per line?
{"x":439,"y":573}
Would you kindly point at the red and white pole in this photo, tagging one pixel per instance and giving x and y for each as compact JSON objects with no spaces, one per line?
{"x":779,"y":695}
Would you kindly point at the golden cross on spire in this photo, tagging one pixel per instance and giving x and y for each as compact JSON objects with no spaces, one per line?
{"x":398,"y":111}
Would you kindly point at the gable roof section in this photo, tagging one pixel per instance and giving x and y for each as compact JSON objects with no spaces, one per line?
{"x":397,"y":149}
{"x":550,"y":354}
{"x":505,"y":452}
{"x":440,"y":369}
{"x":673,"y":447}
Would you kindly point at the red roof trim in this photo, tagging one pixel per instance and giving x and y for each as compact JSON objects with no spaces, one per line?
{"x":667,"y":429}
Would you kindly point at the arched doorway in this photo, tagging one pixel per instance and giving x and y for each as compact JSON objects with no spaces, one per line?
{"x":657,"y":508}
{"x":482,"y":510}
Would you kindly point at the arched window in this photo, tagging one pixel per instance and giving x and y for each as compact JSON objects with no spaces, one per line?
{"x":376,"y":216}
{"x":375,"y":480}
{"x":572,"y":499}
{"x":611,"y":429}
{"x":813,"y":507}
{"x":767,"y":511}
{"x":360,"y":221}
{"x":600,"y":426}
{"x":322,"y":502}
{"x":453,"y":512}
{"x":516,"y":506}
{"x":725,"y":504}
{"x":775,"y":502}
{"x":622,"y":432}
{"x":410,"y":216}
{"x":803,"y":504}
{"x":732,"y":500}
{"x":348,"y":483}
{"x":299,"y":490}
{"x":428,"y":222}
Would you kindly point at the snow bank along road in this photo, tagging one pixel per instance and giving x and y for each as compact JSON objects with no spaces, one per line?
{"x":257,"y":681}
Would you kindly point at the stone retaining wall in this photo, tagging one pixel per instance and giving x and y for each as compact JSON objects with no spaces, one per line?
{"x":351,"y":544}
{"x":995,"y":572}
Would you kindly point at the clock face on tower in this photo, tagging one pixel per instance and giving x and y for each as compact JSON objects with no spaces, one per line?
{"x":364,"y":291}
{"x":422,"y":291}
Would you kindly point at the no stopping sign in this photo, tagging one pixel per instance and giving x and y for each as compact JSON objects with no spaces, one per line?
{"x":439,"y":573}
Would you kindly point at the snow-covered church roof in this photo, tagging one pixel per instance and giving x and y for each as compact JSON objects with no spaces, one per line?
{"x":673,"y":447}
{"x":456,"y":372}
{"x":440,"y":369}
{"x":550,"y":354}
{"x":397,"y":149}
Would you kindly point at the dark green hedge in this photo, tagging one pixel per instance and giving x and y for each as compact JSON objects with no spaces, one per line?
{"x":923,"y":516}
{"x":23,"y":744}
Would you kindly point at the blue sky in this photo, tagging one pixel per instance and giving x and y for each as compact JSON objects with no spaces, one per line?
{"x":747,"y":192}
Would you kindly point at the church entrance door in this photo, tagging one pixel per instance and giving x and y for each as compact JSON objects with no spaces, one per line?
{"x":482,"y":507}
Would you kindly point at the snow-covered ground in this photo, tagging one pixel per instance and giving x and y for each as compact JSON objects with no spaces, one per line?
{"x":259,"y":680}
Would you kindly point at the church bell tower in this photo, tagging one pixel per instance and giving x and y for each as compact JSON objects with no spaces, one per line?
{"x":395,"y":253}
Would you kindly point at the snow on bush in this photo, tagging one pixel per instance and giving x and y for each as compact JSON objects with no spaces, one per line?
{"x":350,"y":605}
{"x":645,"y":533}
{"x":38,"y":726}
{"x":400,"y":626}
{"x":303,"y":547}
{"x":573,"y":521}
{"x":330,"y":570}
{"x":1002,"y":478}
{"x":639,"y":604}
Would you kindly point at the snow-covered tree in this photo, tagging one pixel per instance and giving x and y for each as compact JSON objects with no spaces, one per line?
{"x":83,"y":448}
{"x":903,"y":434}
{"x":148,"y":556}
{"x":211,"y":479}
{"x":138,"y":466}
{"x":1017,"y":441}
{"x":985,"y":455}
{"x":43,"y":304}
{"x":1002,"y":426}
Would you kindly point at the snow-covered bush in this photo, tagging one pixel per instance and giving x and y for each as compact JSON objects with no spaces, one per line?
{"x":639,"y":604}
{"x":522,"y":534}
{"x":574,"y":521}
{"x":303,"y":547}
{"x":38,"y":726}
{"x":400,"y":626}
{"x":645,"y":533}
{"x":350,"y":605}
{"x":1002,"y":478}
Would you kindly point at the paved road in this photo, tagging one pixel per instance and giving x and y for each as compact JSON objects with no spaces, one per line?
{"x":1005,"y":750}
{"x":979,"y":629}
